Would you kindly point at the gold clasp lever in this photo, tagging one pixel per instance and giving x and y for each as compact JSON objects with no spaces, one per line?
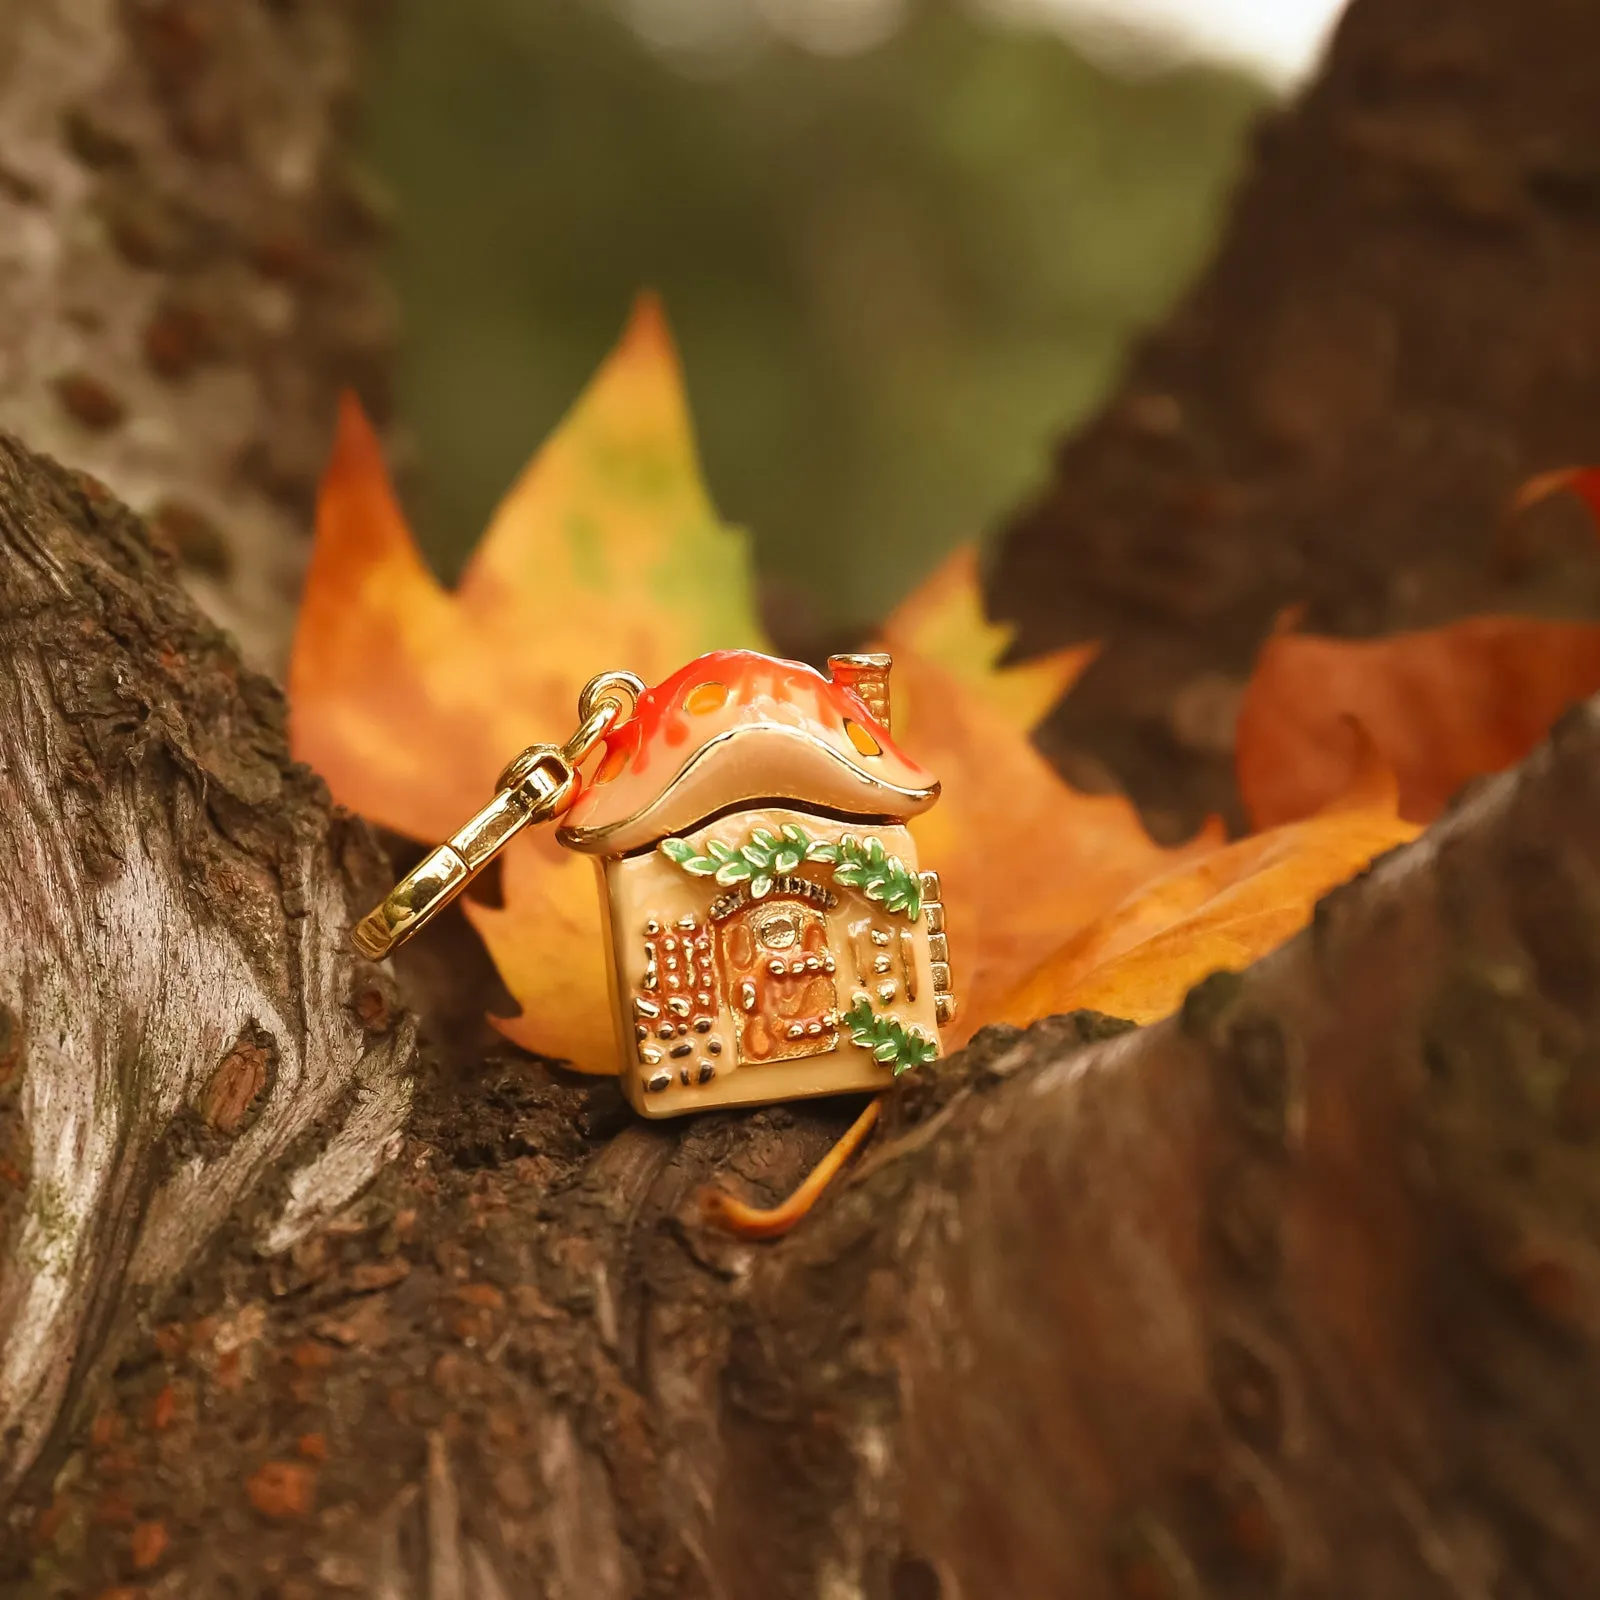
{"x":540,"y":791}
{"x":538,"y":786}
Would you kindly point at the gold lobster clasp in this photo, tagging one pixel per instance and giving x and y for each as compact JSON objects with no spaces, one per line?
{"x":537,"y":786}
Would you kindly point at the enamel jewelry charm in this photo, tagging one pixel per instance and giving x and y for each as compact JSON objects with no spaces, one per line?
{"x":770,"y":935}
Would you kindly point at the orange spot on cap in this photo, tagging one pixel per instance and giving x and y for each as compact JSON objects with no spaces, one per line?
{"x":861,"y":739}
{"x":705,"y":697}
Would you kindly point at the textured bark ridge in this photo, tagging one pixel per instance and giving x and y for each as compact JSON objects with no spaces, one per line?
{"x":1400,"y":326}
{"x":1295,"y":1294}
{"x":186,"y":269}
{"x":184,"y":1040}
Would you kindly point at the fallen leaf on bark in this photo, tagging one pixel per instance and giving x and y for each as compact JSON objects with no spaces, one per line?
{"x":1443,"y":705}
{"x":1025,"y":862}
{"x":1220,"y":911}
{"x":410,"y":698}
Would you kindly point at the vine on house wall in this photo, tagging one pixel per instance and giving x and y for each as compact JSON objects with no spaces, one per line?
{"x":889,"y":1040}
{"x":861,"y":864}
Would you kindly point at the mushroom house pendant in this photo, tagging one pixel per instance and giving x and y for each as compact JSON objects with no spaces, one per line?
{"x":769,"y":933}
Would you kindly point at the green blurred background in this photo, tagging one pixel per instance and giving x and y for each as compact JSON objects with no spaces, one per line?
{"x":900,"y":261}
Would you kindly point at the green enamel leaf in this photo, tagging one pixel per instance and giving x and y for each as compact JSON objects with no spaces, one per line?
{"x":918,"y":1051}
{"x":889,"y":1040}
{"x":760,"y":887}
{"x":861,"y":864}
{"x":682,"y":852}
{"x":864,"y":864}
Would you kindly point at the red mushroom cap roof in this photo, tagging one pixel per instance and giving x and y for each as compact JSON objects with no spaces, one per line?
{"x":735,"y":726}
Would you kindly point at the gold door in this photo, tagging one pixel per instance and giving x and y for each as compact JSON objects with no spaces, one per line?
{"x":779,"y":978}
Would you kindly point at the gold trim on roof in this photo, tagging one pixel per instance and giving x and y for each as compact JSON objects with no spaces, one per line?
{"x":685,"y":800}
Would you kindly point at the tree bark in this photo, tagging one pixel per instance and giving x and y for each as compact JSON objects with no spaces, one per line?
{"x":1296,"y":1293}
{"x":184,"y":1039}
{"x":1400,"y":326}
{"x":187,"y":269}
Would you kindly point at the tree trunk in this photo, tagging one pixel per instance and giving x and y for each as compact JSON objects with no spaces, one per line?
{"x":1297,"y":1293}
{"x":186,"y":269}
{"x":184,"y":1039}
{"x":1400,"y":326}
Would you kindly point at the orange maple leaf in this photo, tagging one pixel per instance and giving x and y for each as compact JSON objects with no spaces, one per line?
{"x":1025,"y":861}
{"x":1221,"y":910}
{"x":1442,"y":705}
{"x":410,"y":698}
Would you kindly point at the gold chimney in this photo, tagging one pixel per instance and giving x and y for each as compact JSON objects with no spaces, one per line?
{"x":867,"y":675}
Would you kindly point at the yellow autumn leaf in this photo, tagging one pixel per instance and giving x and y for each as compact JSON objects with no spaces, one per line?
{"x":1222,"y":910}
{"x":1026,"y":862}
{"x":410,"y":698}
{"x":607,"y":554}
{"x":943,"y":624}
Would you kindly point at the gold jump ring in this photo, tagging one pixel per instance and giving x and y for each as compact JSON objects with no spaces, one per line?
{"x":591,"y":730}
{"x":611,"y":686}
{"x":603,"y":700}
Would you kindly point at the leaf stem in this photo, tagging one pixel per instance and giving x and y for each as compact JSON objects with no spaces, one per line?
{"x":722,"y":1210}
